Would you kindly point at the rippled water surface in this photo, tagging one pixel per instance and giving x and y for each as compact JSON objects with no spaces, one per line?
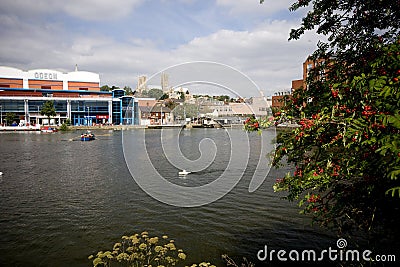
{"x":62,"y":200}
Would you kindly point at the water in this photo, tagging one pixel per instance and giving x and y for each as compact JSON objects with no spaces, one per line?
{"x":63,"y":200}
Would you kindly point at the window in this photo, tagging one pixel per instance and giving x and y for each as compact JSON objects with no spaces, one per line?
{"x":83,"y":89}
{"x":45,"y":87}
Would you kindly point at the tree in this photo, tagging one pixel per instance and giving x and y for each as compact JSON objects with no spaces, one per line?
{"x":105,"y":88}
{"x":155,"y":93}
{"x":128,"y":90}
{"x":224,"y":98}
{"x":346,"y":152}
{"x":48,"y":110}
{"x":182,"y":95}
{"x":9,"y":118}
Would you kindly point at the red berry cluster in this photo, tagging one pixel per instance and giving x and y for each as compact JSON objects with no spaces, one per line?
{"x":298,"y":172}
{"x":251,"y":124}
{"x":367,"y":112}
{"x":335,"y":93}
{"x":314,"y":198}
{"x":306,"y":124}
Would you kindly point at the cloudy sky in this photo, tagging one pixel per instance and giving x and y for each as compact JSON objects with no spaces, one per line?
{"x":122,"y":39}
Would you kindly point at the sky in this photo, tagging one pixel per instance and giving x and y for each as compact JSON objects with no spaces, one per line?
{"x":123,"y":39}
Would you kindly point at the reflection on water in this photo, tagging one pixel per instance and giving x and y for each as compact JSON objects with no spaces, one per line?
{"x":62,"y":200}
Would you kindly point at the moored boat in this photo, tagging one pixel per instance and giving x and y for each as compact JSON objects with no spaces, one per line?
{"x":48,"y":129}
{"x":88,"y":136}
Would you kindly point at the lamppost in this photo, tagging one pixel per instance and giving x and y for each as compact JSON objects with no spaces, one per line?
{"x":1,"y":108}
{"x":184,"y":113}
{"x":161,"y":116}
{"x":37,"y":116}
{"x":87,"y":121}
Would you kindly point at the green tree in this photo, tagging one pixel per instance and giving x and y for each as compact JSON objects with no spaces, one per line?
{"x":64,"y":127}
{"x":346,"y":152}
{"x":155,"y":93}
{"x":224,"y":98}
{"x":10,"y":117}
{"x":105,"y":88}
{"x":48,"y":110}
{"x":182,"y":95}
{"x":128,"y":90}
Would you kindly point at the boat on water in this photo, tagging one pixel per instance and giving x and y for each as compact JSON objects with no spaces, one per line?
{"x":184,"y":173}
{"x":48,"y":129}
{"x":88,"y":136}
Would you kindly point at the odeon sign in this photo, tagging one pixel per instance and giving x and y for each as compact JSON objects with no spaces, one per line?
{"x":46,"y":75}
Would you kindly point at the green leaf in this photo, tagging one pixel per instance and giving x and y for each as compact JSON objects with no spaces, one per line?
{"x":393,"y":190}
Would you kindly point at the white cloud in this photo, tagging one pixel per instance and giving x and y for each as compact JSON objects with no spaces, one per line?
{"x":82,"y":9}
{"x":254,"y":6}
{"x":99,"y":9}
{"x":262,"y":52}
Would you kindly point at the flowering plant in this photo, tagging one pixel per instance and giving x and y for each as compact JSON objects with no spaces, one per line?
{"x":140,"y":250}
{"x":251,"y":124}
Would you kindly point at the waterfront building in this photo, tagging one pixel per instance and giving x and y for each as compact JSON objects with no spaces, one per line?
{"x":257,"y":106}
{"x":76,"y":96}
{"x":153,"y":112}
{"x":280,"y":98}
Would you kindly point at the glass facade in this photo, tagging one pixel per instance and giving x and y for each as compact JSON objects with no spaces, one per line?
{"x":85,"y":111}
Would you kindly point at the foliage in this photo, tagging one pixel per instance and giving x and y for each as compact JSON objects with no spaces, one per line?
{"x":10,"y":117}
{"x":164,"y":96}
{"x":154,"y":93}
{"x":128,"y":90}
{"x":251,"y":124}
{"x":170,"y":104}
{"x":105,"y":88}
{"x":231,"y":262}
{"x":182,"y":95}
{"x":68,"y":122}
{"x":188,"y":110}
{"x":64,"y":127}
{"x":48,"y":110}
{"x":347,"y":149}
{"x":224,"y":98}
{"x":202,"y":264}
{"x":140,"y":250}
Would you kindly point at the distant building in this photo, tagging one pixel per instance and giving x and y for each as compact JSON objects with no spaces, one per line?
{"x":258,"y":106}
{"x":164,"y":81}
{"x":280,"y":98}
{"x":152,"y":112}
{"x":142,"y":84}
{"x":76,"y":96}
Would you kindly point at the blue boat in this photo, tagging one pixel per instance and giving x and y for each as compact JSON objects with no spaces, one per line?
{"x":88,"y":136}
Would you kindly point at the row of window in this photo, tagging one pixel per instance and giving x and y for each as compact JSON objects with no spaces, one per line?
{"x":129,"y":108}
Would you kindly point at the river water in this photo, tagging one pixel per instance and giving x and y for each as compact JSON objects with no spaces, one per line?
{"x":62,"y":200}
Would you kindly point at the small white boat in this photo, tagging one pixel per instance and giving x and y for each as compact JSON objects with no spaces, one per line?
{"x":184,"y":172}
{"x":1,"y":173}
{"x":48,"y":129}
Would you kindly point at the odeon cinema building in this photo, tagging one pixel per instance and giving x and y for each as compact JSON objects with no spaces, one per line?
{"x":76,"y":96}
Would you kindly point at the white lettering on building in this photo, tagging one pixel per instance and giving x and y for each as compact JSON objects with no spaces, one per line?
{"x":46,"y":75}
